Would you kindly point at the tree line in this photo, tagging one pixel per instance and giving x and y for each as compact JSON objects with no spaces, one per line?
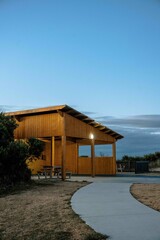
{"x":148,"y":157}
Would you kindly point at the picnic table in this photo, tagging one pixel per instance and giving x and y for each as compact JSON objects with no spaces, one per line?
{"x":52,"y":170}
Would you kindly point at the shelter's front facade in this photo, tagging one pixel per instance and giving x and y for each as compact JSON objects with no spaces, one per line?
{"x":64,"y":129}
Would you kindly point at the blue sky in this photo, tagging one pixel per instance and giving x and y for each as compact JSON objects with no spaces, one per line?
{"x":99,"y":56}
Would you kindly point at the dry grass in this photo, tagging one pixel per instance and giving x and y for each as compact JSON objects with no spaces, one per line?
{"x":148,"y":194}
{"x":43,"y":212}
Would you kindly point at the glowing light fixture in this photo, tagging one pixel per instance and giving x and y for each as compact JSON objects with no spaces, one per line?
{"x":91,"y":136}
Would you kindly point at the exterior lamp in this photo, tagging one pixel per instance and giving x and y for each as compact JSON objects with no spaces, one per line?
{"x":91,"y":136}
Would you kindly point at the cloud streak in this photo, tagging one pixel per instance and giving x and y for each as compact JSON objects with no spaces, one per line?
{"x":139,"y":121}
{"x":141,"y":133}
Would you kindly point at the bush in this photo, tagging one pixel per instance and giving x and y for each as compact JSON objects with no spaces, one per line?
{"x":13,"y":154}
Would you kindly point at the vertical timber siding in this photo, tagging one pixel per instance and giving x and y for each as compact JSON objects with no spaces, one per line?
{"x":39,"y":126}
{"x":79,"y":129}
{"x":104,"y":165}
{"x":71,"y":154}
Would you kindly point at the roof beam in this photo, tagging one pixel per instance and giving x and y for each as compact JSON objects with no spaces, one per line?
{"x":78,"y":115}
{"x":102,"y":128}
{"x":91,"y":122}
{"x":107,"y":131}
{"x":70,"y":111}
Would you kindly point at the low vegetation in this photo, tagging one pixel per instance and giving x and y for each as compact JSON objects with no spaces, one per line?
{"x":13,"y":154}
{"x":148,"y":157}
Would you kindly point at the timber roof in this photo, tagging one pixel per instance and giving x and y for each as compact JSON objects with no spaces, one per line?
{"x":71,"y":111}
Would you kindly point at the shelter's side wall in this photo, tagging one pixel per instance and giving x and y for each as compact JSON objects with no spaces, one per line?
{"x":104,"y":165}
{"x":79,"y":129}
{"x":71,"y":153}
{"x":39,"y":126}
{"x":84,"y":165}
{"x":37,"y":165}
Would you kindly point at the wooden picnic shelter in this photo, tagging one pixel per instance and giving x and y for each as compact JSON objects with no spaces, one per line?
{"x":64,"y":130}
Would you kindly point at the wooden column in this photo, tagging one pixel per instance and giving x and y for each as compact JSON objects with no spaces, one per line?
{"x":63,"y":146}
{"x":63,"y":158}
{"x":114,"y":157}
{"x":92,"y":158}
{"x":77,"y":157}
{"x":52,"y":151}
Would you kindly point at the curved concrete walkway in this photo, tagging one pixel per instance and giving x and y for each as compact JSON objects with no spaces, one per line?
{"x":108,"y":207}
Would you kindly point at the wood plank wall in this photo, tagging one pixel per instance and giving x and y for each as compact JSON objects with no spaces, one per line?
{"x":39,"y":126}
{"x":71,"y":153}
{"x":104,"y":165}
{"x":79,"y":129}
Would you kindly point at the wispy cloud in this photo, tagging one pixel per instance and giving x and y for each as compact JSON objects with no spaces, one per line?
{"x":141,"y":133}
{"x":140,"y":121}
{"x":155,"y":133}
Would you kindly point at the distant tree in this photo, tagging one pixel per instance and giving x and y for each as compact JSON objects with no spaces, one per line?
{"x":101,"y":154}
{"x":157,"y":155}
{"x":148,"y":157}
{"x":13,"y":154}
{"x":152,"y":156}
{"x":125,"y":158}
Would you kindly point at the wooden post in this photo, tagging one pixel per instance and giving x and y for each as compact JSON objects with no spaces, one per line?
{"x":52,"y":151}
{"x":77,"y":157}
{"x":114,"y":157}
{"x":92,"y":158}
{"x":63,"y":158}
{"x":63,"y":146}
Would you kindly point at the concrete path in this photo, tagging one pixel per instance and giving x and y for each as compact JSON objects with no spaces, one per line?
{"x":108,"y":207}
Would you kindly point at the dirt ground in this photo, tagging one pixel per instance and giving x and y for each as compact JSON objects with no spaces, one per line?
{"x":43,"y":212}
{"x":148,"y":194}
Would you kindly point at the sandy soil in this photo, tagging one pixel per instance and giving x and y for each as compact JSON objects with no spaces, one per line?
{"x":148,"y":194}
{"x":43,"y":212}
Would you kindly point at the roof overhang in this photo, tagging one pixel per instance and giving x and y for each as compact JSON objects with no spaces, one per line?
{"x":69,"y":110}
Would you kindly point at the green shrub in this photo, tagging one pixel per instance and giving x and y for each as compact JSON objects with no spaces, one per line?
{"x":13,"y":154}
